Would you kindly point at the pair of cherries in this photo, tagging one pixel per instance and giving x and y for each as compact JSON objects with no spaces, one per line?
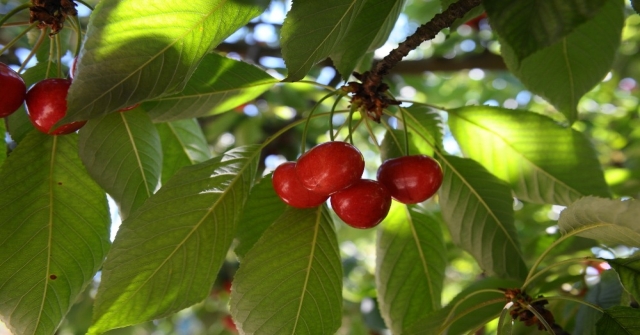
{"x":334,"y":170}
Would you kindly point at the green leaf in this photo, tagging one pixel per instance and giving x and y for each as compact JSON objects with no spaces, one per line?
{"x":607,"y":293}
{"x":425,"y":123}
{"x":628,"y":270}
{"x":514,"y":146}
{"x":476,"y":305}
{"x":557,"y":73}
{"x":183,"y":143}
{"x":167,"y":254}
{"x":54,"y":232}
{"x":18,"y":123}
{"x":122,"y":152}
{"x":3,"y":145}
{"x":290,"y":282}
{"x":393,"y":145}
{"x":219,"y":84}
{"x":262,"y":209}
{"x":368,"y":29}
{"x":636,"y":5}
{"x":531,"y":25}
{"x":312,"y":30}
{"x":619,"y":320}
{"x":410,"y":264}
{"x":606,"y":220}
{"x":478,"y":208}
{"x":139,"y":50}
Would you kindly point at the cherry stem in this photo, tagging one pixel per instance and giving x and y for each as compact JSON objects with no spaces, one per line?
{"x":16,"y":24}
{"x":290,"y":126}
{"x":391,"y":133}
{"x":306,"y":125}
{"x":567,"y":298}
{"x":562,"y":238}
{"x":50,"y":60}
{"x":352,"y":109}
{"x":351,"y":131}
{"x":450,"y":320}
{"x":503,"y":314}
{"x":34,"y":50}
{"x":566,"y":261}
{"x":424,"y":104}
{"x":17,"y":38}
{"x":540,"y":317}
{"x":335,"y":104}
{"x":371,"y":134}
{"x":14,"y":12}
{"x":86,"y":4}
{"x":59,"y":52}
{"x":405,"y":128}
{"x":310,"y":82}
{"x":78,"y":28}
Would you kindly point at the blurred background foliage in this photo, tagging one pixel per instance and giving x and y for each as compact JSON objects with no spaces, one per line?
{"x":459,"y":67}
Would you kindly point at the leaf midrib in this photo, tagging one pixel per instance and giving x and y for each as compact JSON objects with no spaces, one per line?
{"x":464,"y":181}
{"x":197,"y":225}
{"x":308,"y":270}
{"x":50,"y":235}
{"x":423,"y":260}
{"x":153,"y":57}
{"x":518,"y":153}
{"x":136,"y":153}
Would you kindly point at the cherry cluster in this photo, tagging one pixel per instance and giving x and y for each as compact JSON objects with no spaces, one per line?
{"x":334,"y":169}
{"x":46,"y":101}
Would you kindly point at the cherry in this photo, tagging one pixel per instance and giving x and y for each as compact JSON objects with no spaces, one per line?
{"x":13,"y":90}
{"x":291,"y":191}
{"x":47,"y":104}
{"x":330,"y":167}
{"x":411,"y":179}
{"x":363,"y":205}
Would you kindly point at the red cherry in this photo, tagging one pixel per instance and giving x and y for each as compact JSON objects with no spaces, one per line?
{"x":13,"y":90}
{"x":228,"y":323}
{"x":291,"y":191}
{"x":47,"y":104}
{"x":330,"y":167}
{"x":363,"y":204}
{"x":411,"y":179}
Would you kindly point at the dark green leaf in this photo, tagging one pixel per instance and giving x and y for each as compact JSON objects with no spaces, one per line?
{"x":636,"y":5}
{"x":619,"y":320}
{"x":607,"y":293}
{"x":219,"y":84}
{"x":410,"y":264}
{"x":262,"y":209}
{"x":478,"y":208}
{"x":300,"y":291}
{"x":628,"y":270}
{"x":476,"y":305}
{"x":54,"y":232}
{"x":183,"y":144}
{"x":122,"y":152}
{"x":368,"y":30}
{"x":531,"y":25}
{"x":167,"y":254}
{"x":313,"y":29}
{"x":139,"y":50}
{"x":606,"y":220}
{"x":514,"y":146}
{"x":393,"y":145}
{"x":557,"y":73}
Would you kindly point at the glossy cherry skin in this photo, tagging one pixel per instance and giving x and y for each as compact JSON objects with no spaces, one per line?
{"x":47,"y":104}
{"x":330,"y":167}
{"x":291,"y":191}
{"x":13,"y":90}
{"x":411,"y":179}
{"x":362,"y":205}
